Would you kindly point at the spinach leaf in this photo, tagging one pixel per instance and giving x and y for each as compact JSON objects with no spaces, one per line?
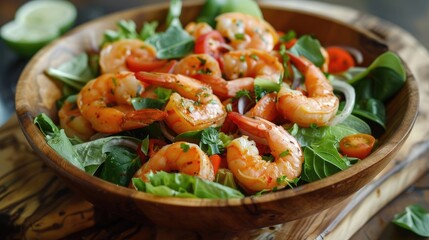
{"x":174,"y":13}
{"x":173,"y":43}
{"x":211,"y":9}
{"x":414,"y":218}
{"x":322,"y":160}
{"x":143,"y":103}
{"x":311,"y":136}
{"x":387,"y":60}
{"x":93,"y":154}
{"x":357,"y":124}
{"x":58,"y":140}
{"x":380,"y":83}
{"x":372,"y":110}
{"x":75,"y":73}
{"x":309,"y":48}
{"x":182,"y":185}
{"x":120,"y":165}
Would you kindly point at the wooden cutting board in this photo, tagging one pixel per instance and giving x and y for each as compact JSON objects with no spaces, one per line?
{"x":35,"y":204}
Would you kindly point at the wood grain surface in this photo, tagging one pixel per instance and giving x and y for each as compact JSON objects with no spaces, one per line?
{"x":35,"y":204}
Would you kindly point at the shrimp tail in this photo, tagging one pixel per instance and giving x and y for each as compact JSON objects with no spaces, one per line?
{"x":254,"y":128}
{"x":142,"y":118}
{"x":300,"y":63}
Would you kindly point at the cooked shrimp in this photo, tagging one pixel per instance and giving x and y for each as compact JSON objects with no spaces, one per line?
{"x":113,"y":56}
{"x":252,"y":63}
{"x":319,"y":107}
{"x":194,"y":106}
{"x":206,"y":69}
{"x":251,"y":171}
{"x":73,"y":123}
{"x":198,"y":29}
{"x":265,"y":108}
{"x":246,"y":31}
{"x":183,"y":157}
{"x":106,"y":103}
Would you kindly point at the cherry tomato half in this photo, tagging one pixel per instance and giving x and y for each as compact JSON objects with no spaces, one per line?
{"x":339,"y":60}
{"x":141,"y":61}
{"x":209,"y":43}
{"x":357,"y":145}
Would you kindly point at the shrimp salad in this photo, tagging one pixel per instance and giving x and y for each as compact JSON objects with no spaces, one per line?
{"x":223,"y":107}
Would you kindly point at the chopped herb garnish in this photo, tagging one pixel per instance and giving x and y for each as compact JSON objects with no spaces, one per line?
{"x":242,"y":93}
{"x":202,"y":60}
{"x":239,"y":36}
{"x":268,"y":158}
{"x":254,"y":57}
{"x":242,"y":58}
{"x":284,"y":153}
{"x":145,"y":145}
{"x":288,"y":36}
{"x":185,"y":147}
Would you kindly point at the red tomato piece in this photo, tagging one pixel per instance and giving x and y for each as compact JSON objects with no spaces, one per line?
{"x":209,"y":43}
{"x":339,"y":60}
{"x":216,"y":161}
{"x":357,"y":145}
{"x":141,"y":61}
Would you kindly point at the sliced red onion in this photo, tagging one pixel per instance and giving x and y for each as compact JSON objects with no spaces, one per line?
{"x":166,"y":131}
{"x":349,"y":94}
{"x":244,"y":104}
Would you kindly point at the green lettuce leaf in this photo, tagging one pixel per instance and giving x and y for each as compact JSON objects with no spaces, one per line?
{"x":182,"y":185}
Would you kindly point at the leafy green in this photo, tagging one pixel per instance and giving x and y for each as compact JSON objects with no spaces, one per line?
{"x":93,"y":153}
{"x":356,"y":123}
{"x":148,"y":30}
{"x":173,"y":43}
{"x":321,"y":156}
{"x":163,"y":93}
{"x":143,"y":103}
{"x":414,"y":218}
{"x":209,"y":140}
{"x":309,"y":136}
{"x":225,"y":177}
{"x":174,"y":13}
{"x":309,"y":47}
{"x":120,"y":165}
{"x":58,"y":140}
{"x":76,"y":72}
{"x":211,"y":9}
{"x":371,"y":109}
{"x":263,"y":86}
{"x":375,"y":85}
{"x":126,"y":30}
{"x":182,"y":185}
{"x":288,"y":36}
{"x":322,"y":160}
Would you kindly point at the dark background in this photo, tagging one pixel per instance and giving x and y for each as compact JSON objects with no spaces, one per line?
{"x":412,"y":15}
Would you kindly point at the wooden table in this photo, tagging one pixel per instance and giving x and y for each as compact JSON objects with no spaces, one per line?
{"x":35,"y":204}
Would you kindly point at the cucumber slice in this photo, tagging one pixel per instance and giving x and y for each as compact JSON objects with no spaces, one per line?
{"x":58,"y":13}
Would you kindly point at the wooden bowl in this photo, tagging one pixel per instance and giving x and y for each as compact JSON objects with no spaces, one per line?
{"x":36,"y":93}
